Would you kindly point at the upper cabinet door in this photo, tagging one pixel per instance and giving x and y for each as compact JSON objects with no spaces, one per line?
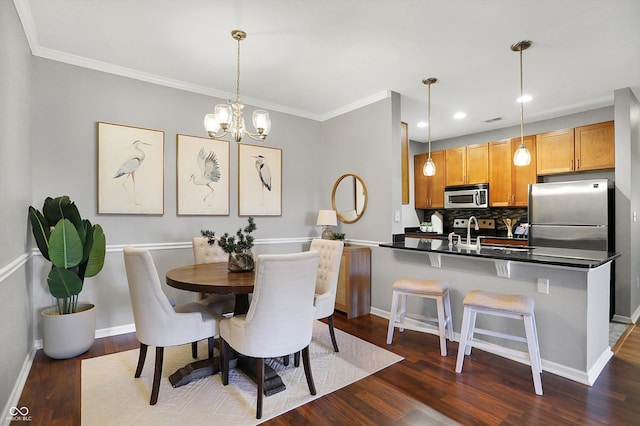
{"x":522,"y":176}
{"x":420,"y":197}
{"x":500,"y":164}
{"x":478,"y":163}
{"x":595,"y":147}
{"x":555,"y":152}
{"x":456,"y":166}
{"x":435,"y":184}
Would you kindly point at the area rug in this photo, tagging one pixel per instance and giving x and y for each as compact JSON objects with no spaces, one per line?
{"x":111,"y":396}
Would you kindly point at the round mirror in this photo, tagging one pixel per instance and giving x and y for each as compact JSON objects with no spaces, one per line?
{"x":349,"y":198}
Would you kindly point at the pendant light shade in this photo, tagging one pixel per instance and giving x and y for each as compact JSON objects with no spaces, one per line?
{"x":522,"y":156}
{"x":429,"y":168}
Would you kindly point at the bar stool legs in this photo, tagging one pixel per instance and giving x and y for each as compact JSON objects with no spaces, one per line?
{"x":431,"y":289}
{"x":508,"y":306}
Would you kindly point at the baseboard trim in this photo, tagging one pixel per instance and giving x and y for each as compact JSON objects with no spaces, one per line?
{"x":18,"y":386}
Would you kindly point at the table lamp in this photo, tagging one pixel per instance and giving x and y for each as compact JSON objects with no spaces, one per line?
{"x":327,"y":218}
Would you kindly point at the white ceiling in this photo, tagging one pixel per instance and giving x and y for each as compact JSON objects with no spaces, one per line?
{"x":320,"y":58}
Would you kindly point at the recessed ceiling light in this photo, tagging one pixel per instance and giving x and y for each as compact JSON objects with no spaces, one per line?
{"x":459,"y":115}
{"x":422,"y":124}
{"x":524,"y":98}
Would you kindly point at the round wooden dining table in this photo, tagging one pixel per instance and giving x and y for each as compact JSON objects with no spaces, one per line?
{"x":214,"y":278}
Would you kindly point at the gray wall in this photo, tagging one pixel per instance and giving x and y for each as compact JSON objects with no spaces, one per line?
{"x":627,"y":176}
{"x":15,"y":192}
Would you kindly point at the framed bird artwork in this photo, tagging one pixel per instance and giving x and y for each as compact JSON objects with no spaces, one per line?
{"x":130,"y":170}
{"x":202,"y":172}
{"x":259,"y":181}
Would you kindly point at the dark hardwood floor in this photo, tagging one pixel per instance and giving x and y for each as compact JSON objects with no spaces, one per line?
{"x":491,"y":390}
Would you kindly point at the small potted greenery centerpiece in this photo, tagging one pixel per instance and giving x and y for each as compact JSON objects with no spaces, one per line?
{"x":238,"y":247}
{"x":76,"y":249}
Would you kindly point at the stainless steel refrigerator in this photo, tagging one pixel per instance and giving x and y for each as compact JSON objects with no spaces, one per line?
{"x":573,"y":214}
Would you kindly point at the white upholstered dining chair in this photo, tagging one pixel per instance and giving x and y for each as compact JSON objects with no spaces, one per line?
{"x":157,"y":322}
{"x":327,"y":280}
{"x":280,"y":317}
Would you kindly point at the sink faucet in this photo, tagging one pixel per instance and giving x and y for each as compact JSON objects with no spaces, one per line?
{"x":469,"y":228}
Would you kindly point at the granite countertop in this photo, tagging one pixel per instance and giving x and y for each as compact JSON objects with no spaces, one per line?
{"x":542,"y":255}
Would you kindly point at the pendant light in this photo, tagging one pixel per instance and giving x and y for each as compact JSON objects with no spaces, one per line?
{"x":522,"y":156}
{"x":429,"y":168}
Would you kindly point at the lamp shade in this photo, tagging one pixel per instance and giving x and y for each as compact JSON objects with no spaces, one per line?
{"x":327,"y":218}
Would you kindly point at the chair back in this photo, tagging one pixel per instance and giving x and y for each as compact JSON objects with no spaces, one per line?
{"x":328,"y":272}
{"x":156,"y":321}
{"x":203,"y":252}
{"x":281,"y":313}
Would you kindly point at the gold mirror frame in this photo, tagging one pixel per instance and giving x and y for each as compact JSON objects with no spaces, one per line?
{"x":359,"y":211}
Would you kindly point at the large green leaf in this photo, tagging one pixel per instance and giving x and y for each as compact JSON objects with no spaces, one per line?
{"x":98,"y":251}
{"x":65,"y":246}
{"x":63,"y":283}
{"x":41,"y":231}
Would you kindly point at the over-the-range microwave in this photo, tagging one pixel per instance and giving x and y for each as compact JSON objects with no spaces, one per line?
{"x":467,"y":196}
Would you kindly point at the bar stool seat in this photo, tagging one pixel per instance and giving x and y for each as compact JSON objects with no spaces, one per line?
{"x":430,"y":289}
{"x":505,"y":305}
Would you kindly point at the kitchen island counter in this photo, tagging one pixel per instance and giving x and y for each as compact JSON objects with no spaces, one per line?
{"x":570,"y":287}
{"x":542,"y":255}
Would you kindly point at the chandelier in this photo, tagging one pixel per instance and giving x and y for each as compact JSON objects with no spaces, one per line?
{"x":429,"y":168}
{"x":227,"y":118}
{"x":522,"y":156}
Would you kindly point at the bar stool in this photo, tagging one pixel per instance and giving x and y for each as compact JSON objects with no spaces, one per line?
{"x":429,"y":289}
{"x":504,"y":305}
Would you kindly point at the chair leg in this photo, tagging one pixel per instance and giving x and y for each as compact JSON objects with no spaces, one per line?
{"x":534,"y":353}
{"x":403,"y":312}
{"x":307,"y":370}
{"x":442,"y":326}
{"x":212,"y":344}
{"x":296,"y":359}
{"x":464,"y":336}
{"x":226,"y":356}
{"x":157,"y":375}
{"x":332,"y":333}
{"x":260,"y":380}
{"x":141,"y":357}
{"x":194,"y":350}
{"x":447,"y":314}
{"x":392,"y":317}
{"x":285,"y":360}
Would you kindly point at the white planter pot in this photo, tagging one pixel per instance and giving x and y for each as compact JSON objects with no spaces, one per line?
{"x":67,"y":336}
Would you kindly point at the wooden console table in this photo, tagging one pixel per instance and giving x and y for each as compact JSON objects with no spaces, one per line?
{"x":354,"y":282}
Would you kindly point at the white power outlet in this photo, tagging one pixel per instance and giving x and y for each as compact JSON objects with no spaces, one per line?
{"x":543,"y":285}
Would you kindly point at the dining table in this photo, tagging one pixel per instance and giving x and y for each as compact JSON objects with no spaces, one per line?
{"x":216,"y":278}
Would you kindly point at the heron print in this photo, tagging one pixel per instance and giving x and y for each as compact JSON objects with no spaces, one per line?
{"x":259,"y":180}
{"x":129,"y":168}
{"x":264,"y":174}
{"x":209,"y":172}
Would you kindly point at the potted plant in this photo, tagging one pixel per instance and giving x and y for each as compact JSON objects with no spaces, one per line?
{"x":76,"y":249}
{"x":238,"y":247}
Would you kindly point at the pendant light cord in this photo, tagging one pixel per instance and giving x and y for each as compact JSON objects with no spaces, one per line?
{"x":521,"y":102}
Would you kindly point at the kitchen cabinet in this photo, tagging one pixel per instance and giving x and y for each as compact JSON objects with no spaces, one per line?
{"x":467,"y":164}
{"x":584,"y":148}
{"x":595,"y":147}
{"x":353,"y":295}
{"x":429,"y":190}
{"x":509,"y":184}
